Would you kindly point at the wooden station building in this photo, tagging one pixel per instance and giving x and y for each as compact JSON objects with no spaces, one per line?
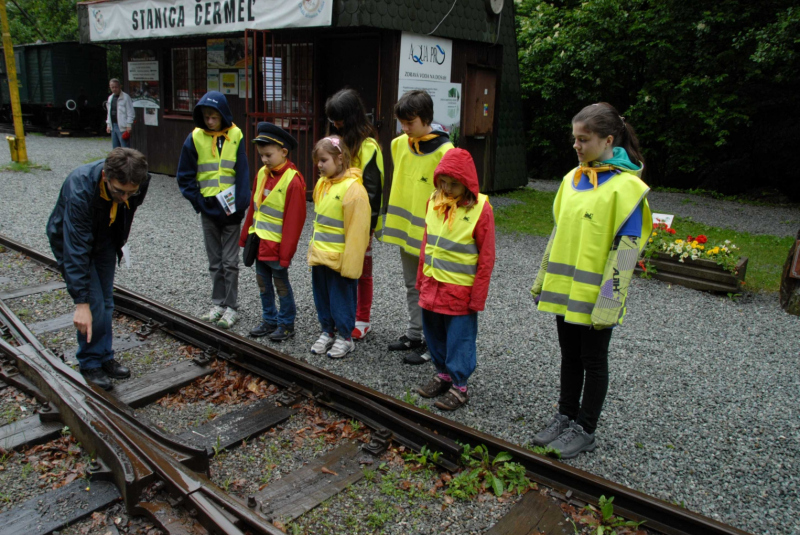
{"x":278,"y":61}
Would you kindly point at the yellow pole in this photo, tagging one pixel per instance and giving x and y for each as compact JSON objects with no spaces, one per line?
{"x":11,"y":69}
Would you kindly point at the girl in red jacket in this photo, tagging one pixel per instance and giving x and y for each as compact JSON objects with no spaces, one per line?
{"x":453,"y":275}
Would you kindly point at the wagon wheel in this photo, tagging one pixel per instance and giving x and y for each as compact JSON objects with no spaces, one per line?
{"x":790,"y":286}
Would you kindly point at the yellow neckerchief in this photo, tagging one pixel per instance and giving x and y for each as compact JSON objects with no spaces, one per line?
{"x":591,"y":173}
{"x":322,"y":190}
{"x":217,"y":134}
{"x":442,"y":203}
{"x":414,"y":142}
{"x":105,"y":197}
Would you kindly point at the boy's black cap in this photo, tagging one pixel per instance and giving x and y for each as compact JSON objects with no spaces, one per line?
{"x":272,"y":133}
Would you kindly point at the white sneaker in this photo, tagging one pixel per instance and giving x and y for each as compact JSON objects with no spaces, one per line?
{"x":341,"y":348}
{"x":214,"y":314}
{"x":323,"y":344}
{"x":228,"y":319}
{"x":361,"y":329}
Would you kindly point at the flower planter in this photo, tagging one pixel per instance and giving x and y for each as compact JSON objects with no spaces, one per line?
{"x":698,"y":274}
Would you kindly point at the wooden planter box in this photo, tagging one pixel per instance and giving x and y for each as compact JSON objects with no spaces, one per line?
{"x":698,"y":274}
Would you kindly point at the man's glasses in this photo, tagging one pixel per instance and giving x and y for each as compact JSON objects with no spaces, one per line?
{"x":119,"y":192}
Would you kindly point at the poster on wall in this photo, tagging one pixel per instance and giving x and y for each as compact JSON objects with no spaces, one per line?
{"x":145,"y":19}
{"x":246,"y":83}
{"x":230,"y":82}
{"x":212,"y":80}
{"x":426,"y":63}
{"x":227,"y":53}
{"x":446,"y":103}
{"x":143,"y":85}
{"x":151,"y":116}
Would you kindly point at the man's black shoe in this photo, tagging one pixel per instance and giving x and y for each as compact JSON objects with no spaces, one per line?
{"x":263,"y":330}
{"x":404,"y":342}
{"x":281,"y":333}
{"x":98,"y":377}
{"x":115,"y":370}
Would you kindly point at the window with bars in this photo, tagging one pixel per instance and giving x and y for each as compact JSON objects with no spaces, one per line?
{"x":188,"y":77}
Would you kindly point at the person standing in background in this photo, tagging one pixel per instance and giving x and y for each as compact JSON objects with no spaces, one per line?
{"x":120,"y":115}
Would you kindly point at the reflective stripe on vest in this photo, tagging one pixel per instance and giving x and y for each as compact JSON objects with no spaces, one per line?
{"x":328,"y":232}
{"x":412,"y":185}
{"x":454,"y":259}
{"x":216,"y":174}
{"x":268,"y":216}
{"x":587,"y":221}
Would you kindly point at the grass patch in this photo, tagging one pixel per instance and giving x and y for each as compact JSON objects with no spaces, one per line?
{"x":25,"y":167}
{"x":534,"y":216}
{"x":766,"y":253}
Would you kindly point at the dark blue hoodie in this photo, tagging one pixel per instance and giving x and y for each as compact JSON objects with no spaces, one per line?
{"x":187,"y":167}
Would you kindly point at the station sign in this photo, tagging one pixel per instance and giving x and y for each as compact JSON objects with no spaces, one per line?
{"x":145,"y":19}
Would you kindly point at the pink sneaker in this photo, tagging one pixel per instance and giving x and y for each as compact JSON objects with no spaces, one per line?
{"x":361,"y":329}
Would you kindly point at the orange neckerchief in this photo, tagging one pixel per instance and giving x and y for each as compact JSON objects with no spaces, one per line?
{"x":105,"y":197}
{"x":442,"y":203}
{"x":414,"y":142}
{"x":325,"y":183}
{"x":215,"y":135}
{"x":591,"y":173}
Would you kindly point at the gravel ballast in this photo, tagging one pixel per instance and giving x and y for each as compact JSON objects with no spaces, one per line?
{"x":704,"y":400}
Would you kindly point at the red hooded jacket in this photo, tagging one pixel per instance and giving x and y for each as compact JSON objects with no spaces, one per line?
{"x":453,"y":299}
{"x":294,"y":217}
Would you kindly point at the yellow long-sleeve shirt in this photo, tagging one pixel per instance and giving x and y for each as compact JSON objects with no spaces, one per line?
{"x":357,"y":212}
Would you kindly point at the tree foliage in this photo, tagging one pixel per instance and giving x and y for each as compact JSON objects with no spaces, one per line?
{"x":37,"y":20}
{"x":698,"y":79}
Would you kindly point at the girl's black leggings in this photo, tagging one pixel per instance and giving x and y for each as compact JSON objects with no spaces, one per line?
{"x":584,"y":368}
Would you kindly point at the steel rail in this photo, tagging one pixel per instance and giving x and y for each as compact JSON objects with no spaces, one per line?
{"x":137,"y":454}
{"x":416,"y":424}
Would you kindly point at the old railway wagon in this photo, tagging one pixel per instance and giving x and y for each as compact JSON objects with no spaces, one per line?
{"x":60,"y":84}
{"x":278,"y":61}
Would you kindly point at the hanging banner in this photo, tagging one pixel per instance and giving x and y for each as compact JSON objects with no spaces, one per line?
{"x":145,"y":19}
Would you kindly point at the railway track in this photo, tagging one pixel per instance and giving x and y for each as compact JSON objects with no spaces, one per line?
{"x":164,"y":476}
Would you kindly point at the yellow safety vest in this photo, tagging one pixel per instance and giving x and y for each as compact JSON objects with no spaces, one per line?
{"x":451,"y":255}
{"x":369,"y":148}
{"x":328,"y":232}
{"x":268,"y":215}
{"x":216,"y":174}
{"x":587,"y":221}
{"x":412,"y":185}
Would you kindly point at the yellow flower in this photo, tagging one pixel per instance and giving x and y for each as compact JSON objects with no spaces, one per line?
{"x":701,"y":247}
{"x":678,"y":241}
{"x":651,"y":240}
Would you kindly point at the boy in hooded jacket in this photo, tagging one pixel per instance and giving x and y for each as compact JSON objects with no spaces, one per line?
{"x":453,"y":275}
{"x":212,"y":160}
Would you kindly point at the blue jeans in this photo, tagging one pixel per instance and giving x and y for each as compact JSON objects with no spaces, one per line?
{"x":267,"y":274}
{"x":451,"y":341}
{"x":335,"y":299}
{"x":116,"y":138}
{"x":101,"y":302}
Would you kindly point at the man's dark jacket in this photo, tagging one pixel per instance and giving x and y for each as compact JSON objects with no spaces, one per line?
{"x":79,"y":225}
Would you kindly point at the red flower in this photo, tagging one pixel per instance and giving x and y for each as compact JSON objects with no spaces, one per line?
{"x":671,"y":230}
{"x":656,"y":225}
{"x":702,"y":239}
{"x":689,"y":238}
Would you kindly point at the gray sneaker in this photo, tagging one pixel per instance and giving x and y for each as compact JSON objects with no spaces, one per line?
{"x":573,"y":441}
{"x":557,"y":425}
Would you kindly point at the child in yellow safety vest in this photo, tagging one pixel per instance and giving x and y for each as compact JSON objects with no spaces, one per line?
{"x":415,"y":155}
{"x":276,"y":215}
{"x":338,"y":243}
{"x":214,"y":176}
{"x":602,"y":223}
{"x":453,"y":275}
